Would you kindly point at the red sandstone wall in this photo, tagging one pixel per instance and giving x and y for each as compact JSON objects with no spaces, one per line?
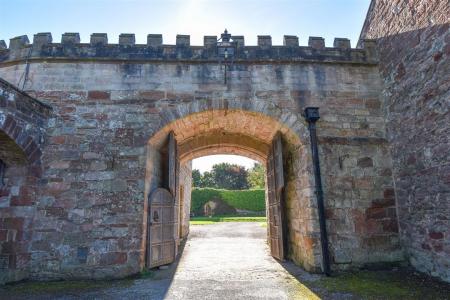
{"x":90,"y":207}
{"x":414,"y":49}
{"x":21,"y":121}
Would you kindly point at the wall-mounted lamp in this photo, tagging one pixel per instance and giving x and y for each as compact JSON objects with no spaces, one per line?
{"x":225,"y":50}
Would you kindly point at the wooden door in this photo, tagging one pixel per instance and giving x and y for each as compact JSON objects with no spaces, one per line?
{"x":163,"y":214}
{"x":161,"y":228}
{"x":275,"y":186}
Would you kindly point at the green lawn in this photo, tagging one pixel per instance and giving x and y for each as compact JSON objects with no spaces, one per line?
{"x":215,"y":219}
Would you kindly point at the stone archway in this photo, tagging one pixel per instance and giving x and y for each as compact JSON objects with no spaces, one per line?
{"x":247,"y":128}
{"x":22,"y":121}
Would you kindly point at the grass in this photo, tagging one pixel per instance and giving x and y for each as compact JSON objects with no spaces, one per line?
{"x":365,"y":285}
{"x":216,"y":219}
{"x":383,"y":285}
{"x":145,"y":274}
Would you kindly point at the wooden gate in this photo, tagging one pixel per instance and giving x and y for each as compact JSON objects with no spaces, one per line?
{"x":161,"y":226}
{"x":163,"y":214}
{"x":275,"y":185}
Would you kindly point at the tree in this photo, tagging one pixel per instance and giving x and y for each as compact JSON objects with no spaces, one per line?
{"x":196,"y":178}
{"x":207,"y":180}
{"x":256,"y":176}
{"x":230,"y":176}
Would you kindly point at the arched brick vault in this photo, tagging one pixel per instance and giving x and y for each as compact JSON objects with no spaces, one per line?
{"x":10,"y":152}
{"x":16,"y":146}
{"x":221,"y":142}
{"x":22,"y":122}
{"x":247,"y":128}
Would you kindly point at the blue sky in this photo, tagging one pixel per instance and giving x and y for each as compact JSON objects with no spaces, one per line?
{"x":304,"y":18}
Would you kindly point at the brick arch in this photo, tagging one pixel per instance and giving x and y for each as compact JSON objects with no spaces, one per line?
{"x":207,"y":127}
{"x":290,"y":124}
{"x":219,"y":142}
{"x":10,"y":152}
{"x":22,"y":147}
{"x":223,"y":149}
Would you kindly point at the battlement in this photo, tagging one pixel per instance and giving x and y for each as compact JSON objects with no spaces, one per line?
{"x":71,"y":48}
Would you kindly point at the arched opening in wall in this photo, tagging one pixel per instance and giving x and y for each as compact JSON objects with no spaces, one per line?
{"x":228,"y":186}
{"x":15,"y":217}
{"x":279,"y":141}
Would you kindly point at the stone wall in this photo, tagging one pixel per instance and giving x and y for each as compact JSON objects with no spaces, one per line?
{"x":414,"y":49}
{"x":22,"y":122}
{"x":362,"y":224}
{"x":115,"y":104}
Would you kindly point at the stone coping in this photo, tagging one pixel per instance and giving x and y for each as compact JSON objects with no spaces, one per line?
{"x":126,"y":50}
{"x":5,"y":85}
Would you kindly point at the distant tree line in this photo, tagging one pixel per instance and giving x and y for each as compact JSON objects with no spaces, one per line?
{"x":230,"y":177}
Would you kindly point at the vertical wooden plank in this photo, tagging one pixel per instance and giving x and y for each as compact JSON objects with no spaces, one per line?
{"x":174,"y":168}
{"x":181,"y":218}
{"x":275,"y":185}
{"x":161,"y":229}
{"x":172,"y":156}
{"x":278,"y":161}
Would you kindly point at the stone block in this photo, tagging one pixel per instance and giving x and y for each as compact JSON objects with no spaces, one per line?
{"x":99,"y":95}
{"x":99,"y":39}
{"x":70,"y":38}
{"x":343,"y":256}
{"x":290,"y":41}
{"x":18,"y":43}
{"x":436,"y":235}
{"x":365,"y":162}
{"x":183,"y":40}
{"x":317,"y":43}
{"x":3,"y":45}
{"x":389,"y":193}
{"x":370,"y":46}
{"x":42,"y":39}
{"x":264,"y":41}
{"x":100,"y":175}
{"x":154,"y":40}
{"x":375,"y":213}
{"x":341,"y":43}
{"x":127,"y":39}
{"x":113,"y":258}
{"x":209,"y":40}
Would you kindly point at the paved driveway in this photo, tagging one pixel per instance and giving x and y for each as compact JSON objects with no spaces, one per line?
{"x":230,"y":261}
{"x":219,"y":261}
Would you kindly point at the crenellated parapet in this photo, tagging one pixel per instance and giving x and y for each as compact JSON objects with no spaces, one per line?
{"x":71,"y":48}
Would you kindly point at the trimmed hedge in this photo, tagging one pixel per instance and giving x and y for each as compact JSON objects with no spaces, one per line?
{"x":252,"y":200}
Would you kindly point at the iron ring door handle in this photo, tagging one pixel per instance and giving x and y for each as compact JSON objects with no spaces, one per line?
{"x":155,"y":216}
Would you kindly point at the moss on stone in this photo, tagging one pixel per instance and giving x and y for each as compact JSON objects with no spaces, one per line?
{"x":55,"y":287}
{"x":383,"y":285}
